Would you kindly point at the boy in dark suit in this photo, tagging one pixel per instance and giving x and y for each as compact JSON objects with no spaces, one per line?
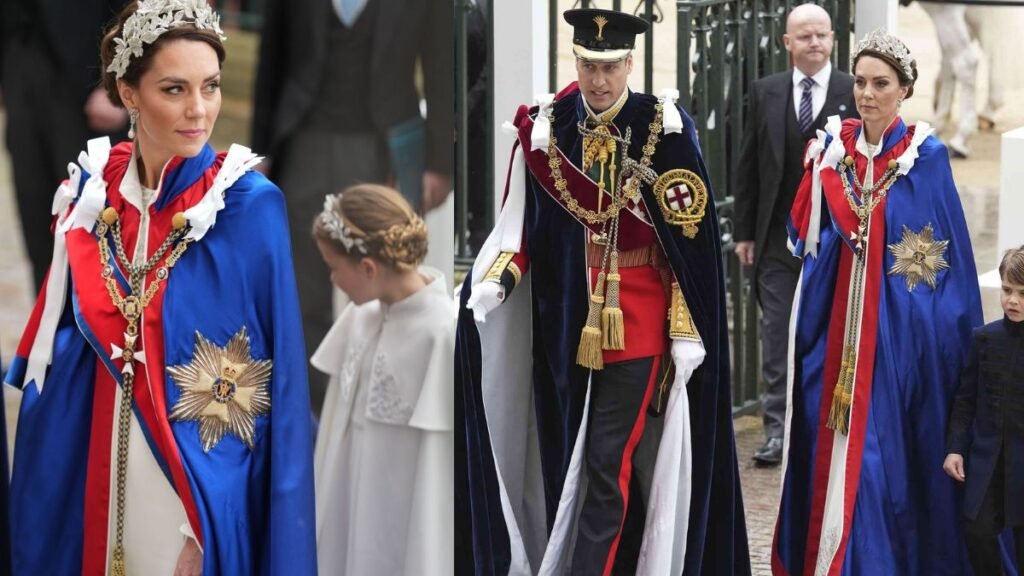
{"x":987,"y":426}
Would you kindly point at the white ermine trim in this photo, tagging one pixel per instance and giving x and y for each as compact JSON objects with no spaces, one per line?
{"x":203,"y":215}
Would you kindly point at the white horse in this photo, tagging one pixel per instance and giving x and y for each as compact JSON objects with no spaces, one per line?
{"x":957,"y":26}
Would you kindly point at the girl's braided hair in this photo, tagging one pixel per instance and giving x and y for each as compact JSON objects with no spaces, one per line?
{"x":375,"y":221}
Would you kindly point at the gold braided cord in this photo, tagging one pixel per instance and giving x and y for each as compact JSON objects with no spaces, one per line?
{"x":870,"y":198}
{"x":618,"y":203}
{"x":131,"y":308}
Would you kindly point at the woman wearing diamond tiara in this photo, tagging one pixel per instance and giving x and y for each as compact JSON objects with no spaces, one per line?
{"x":384,"y":452}
{"x":164,"y":425}
{"x":888,"y":293}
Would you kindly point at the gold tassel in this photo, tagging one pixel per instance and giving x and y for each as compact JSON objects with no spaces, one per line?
{"x":613,"y":329}
{"x":610,"y":147}
{"x":842,"y":395}
{"x":589,"y":354}
{"x":117,"y":568}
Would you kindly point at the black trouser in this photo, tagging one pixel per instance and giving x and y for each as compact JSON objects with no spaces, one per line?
{"x":982,"y":533}
{"x":777,"y":275}
{"x":609,"y":537}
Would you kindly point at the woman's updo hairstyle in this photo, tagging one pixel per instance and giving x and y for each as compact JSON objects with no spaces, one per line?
{"x":139,"y":65}
{"x":891,"y":50}
{"x":374,"y":221}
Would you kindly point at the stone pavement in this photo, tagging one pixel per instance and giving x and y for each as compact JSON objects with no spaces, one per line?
{"x":760,"y":493}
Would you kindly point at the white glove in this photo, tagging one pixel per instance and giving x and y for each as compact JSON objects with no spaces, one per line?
{"x":688,"y":356}
{"x":486,"y":296}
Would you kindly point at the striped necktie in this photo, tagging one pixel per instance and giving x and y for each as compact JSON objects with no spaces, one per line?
{"x":806,"y":116}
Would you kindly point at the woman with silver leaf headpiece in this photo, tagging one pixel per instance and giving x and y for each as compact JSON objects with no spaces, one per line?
{"x":164,"y":423}
{"x":888,"y":296}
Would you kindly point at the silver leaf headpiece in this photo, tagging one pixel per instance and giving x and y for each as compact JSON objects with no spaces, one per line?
{"x":333,"y":222}
{"x":884,"y":43}
{"x":154,"y":17}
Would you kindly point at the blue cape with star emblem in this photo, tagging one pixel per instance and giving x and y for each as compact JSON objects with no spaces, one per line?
{"x":253,"y":506}
{"x":901,"y":510}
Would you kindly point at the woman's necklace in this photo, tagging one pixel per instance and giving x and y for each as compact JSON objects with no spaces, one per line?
{"x":131,"y":307}
{"x":863,"y":205}
{"x":866,"y":199}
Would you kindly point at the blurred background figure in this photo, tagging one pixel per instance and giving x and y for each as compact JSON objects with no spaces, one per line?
{"x":478,"y":74}
{"x":49,"y":75}
{"x":957,"y":27}
{"x":786,"y":109}
{"x":959,"y":66}
{"x":336,"y":103}
{"x":982,"y":22}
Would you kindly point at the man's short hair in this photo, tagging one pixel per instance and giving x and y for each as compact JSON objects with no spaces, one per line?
{"x":1011,"y":268}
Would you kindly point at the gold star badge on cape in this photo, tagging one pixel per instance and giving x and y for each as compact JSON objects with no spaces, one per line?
{"x":919,"y":257}
{"x":223,"y":389}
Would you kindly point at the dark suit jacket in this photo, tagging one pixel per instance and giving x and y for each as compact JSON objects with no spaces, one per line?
{"x":293,"y":59}
{"x":988,"y":417}
{"x":70,"y":31}
{"x":760,"y":168}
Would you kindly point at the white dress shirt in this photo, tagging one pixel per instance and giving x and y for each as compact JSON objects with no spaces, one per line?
{"x":818,"y":91}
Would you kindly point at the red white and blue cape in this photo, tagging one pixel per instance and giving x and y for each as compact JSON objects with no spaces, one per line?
{"x":250,"y":509}
{"x":875,"y":501}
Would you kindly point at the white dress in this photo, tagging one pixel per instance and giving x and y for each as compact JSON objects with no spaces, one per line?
{"x":384,"y":453}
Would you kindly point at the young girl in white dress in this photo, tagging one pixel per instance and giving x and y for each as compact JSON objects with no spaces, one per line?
{"x":384,"y":451}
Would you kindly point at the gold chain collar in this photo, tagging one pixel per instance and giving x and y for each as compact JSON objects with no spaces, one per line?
{"x":869,"y":198}
{"x":131,"y":307}
{"x":618,"y":202}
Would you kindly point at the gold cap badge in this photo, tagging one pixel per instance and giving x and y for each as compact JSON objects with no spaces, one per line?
{"x":600,"y":21}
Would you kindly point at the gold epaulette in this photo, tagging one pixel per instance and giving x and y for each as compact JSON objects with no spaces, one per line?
{"x":501,"y":263}
{"x":681,"y":326}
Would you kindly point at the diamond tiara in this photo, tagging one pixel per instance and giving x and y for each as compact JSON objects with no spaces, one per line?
{"x":884,"y":43}
{"x":154,"y":17}
{"x":334,"y":224}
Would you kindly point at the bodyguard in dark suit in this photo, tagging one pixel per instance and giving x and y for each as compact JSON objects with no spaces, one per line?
{"x":49,"y":72}
{"x":336,"y":102}
{"x":785,"y":111}
{"x":985,"y":440}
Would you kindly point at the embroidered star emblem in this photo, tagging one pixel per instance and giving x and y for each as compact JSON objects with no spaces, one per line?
{"x":224,"y":389}
{"x":919,"y":257}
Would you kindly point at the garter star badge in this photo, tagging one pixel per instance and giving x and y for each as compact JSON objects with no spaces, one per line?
{"x":919,"y":257}
{"x":683,"y":198}
{"x":224,"y":389}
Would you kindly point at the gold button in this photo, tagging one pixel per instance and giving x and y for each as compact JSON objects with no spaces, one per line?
{"x":892,"y":164}
{"x":848,"y":160}
{"x":109,"y":216}
{"x":179,"y":220}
